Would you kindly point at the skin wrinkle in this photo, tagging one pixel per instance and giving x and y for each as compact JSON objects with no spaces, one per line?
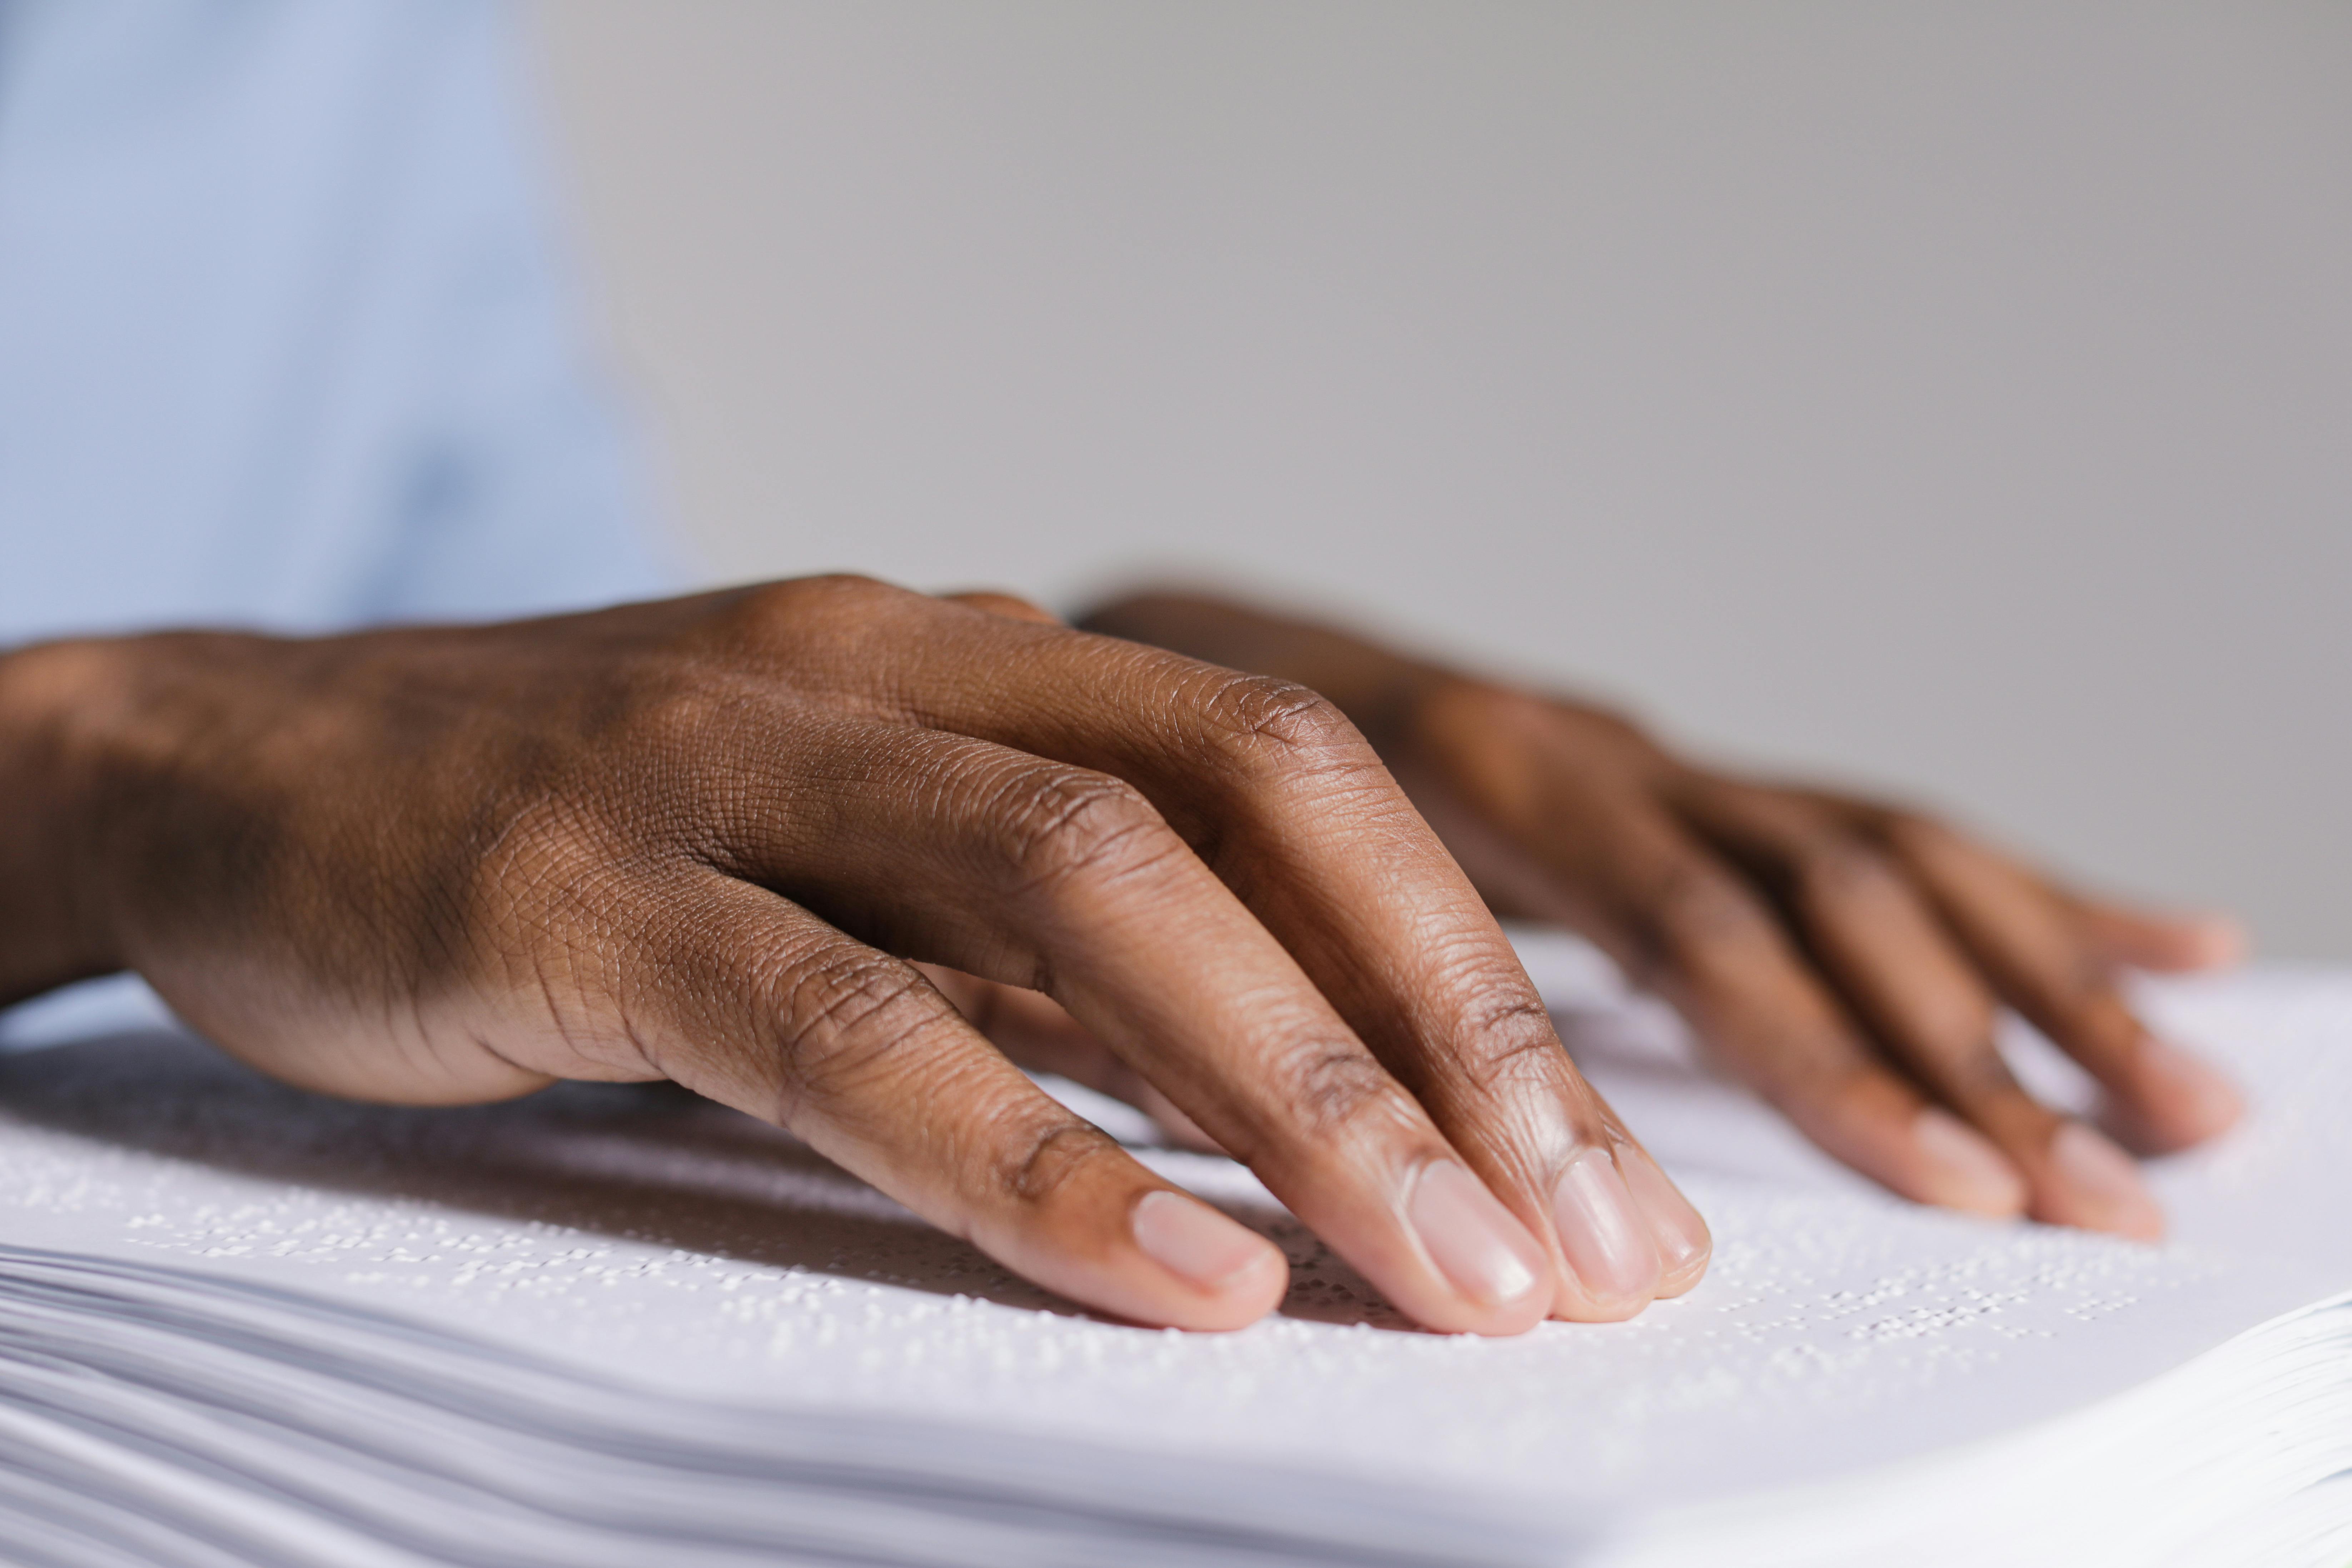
{"x":1496,"y":1017}
{"x":1079,"y":832}
{"x":840,"y":1019}
{"x":1053,"y":1161}
{"x":771,"y":980}
{"x":1017,"y":1153}
{"x":645,"y":1044}
{"x":1333,"y":1089}
{"x":1517,"y":1044}
{"x":1279,"y":717}
{"x":621,"y":1051}
{"x":483,"y":1045}
{"x":558,"y":1016}
{"x":527,"y":893}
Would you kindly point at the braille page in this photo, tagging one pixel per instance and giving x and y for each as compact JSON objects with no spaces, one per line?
{"x":651,"y":1237}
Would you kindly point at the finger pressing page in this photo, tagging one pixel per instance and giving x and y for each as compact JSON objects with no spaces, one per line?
{"x":1288,"y":807}
{"x":2045,"y":964}
{"x":1034,"y":872}
{"x":1688,"y":925}
{"x":759,"y":1004}
{"x":1391,"y":929}
{"x":1872,"y":936}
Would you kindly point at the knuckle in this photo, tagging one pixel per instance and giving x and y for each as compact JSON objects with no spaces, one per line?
{"x":804,"y":611}
{"x":1513,"y":1037}
{"x":1043,"y":1159}
{"x":1062,"y":823}
{"x":1499,"y":1028}
{"x":844,"y":1018}
{"x":1280,"y":726}
{"x":1010,"y":605}
{"x":1333,"y":1087}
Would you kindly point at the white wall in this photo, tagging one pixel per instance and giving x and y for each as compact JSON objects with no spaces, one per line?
{"x":1958,"y":396}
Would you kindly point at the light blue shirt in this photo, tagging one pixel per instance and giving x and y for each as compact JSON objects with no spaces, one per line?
{"x":285,"y":339}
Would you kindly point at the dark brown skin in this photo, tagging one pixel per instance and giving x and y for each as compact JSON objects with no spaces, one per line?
{"x":1844,"y":957}
{"x":839,"y":855}
{"x":708,"y":839}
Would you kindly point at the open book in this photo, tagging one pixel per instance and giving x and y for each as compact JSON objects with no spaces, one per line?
{"x":605,"y":1325}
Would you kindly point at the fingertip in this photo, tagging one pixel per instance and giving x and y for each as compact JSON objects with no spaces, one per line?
{"x":2172,"y":943}
{"x":1610,"y":1242}
{"x":1678,"y":1283}
{"x":1957,"y":1167}
{"x":1499,"y":1276}
{"x":2215,"y":941}
{"x":2179,"y":1098}
{"x":2094,"y":1185}
{"x":1685,"y":1247}
{"x":1225,"y":1274}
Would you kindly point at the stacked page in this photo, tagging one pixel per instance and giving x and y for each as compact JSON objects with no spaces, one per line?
{"x":240,"y":1324}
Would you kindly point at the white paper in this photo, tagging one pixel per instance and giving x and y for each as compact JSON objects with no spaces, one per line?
{"x":655,"y":1238}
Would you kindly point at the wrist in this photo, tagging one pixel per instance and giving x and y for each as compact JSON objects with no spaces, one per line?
{"x":52,"y":700}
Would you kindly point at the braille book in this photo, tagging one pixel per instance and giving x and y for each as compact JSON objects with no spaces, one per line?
{"x":609,"y":1325}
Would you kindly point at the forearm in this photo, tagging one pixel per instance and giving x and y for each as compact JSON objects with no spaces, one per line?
{"x":51,"y":931}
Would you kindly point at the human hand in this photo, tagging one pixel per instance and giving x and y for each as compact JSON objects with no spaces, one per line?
{"x":702,"y":840}
{"x":1844,"y":957}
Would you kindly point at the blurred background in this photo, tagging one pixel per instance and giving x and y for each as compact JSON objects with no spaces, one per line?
{"x":1954,"y":398}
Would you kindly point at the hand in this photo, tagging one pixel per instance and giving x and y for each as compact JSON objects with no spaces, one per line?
{"x":702,"y":839}
{"x":1846,"y":958}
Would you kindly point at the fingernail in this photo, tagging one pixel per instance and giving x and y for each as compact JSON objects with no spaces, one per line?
{"x":1674,"y":1226}
{"x":1470,"y":1235}
{"x":2206,"y":1100}
{"x":1186,"y":1236}
{"x":1965,"y":1171}
{"x":2096,"y":1170}
{"x":1606,"y":1241}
